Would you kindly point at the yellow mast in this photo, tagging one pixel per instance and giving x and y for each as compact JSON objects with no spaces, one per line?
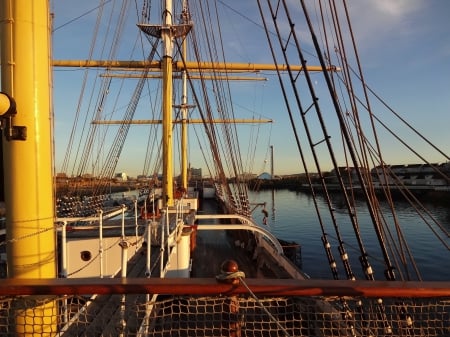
{"x":27,"y":153}
{"x":167,"y":32}
{"x":27,"y":146}
{"x":184,"y":113}
{"x":166,"y":35}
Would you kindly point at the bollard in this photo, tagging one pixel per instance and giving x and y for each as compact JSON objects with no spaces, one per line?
{"x":231,"y":325}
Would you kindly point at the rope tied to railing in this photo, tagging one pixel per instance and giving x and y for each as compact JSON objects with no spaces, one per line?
{"x":230,"y":273}
{"x":230,"y":276}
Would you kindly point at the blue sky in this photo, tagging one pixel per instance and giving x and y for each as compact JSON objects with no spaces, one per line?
{"x":404,"y":48}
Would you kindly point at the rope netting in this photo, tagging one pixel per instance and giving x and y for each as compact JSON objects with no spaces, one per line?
{"x":139,"y":315}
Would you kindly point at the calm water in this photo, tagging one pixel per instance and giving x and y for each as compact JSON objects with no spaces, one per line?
{"x":292,"y":217}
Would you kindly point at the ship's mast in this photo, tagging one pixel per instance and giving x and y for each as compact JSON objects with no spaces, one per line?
{"x":27,"y":154}
{"x":184,"y":110}
{"x":167,"y":39}
{"x":167,"y":32}
{"x":27,"y":145}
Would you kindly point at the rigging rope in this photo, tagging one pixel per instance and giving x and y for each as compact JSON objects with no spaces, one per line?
{"x":64,"y":167}
{"x":389,"y":271}
{"x":116,"y":148}
{"x":111,"y":160}
{"x":223,"y":139}
{"x":358,"y":150}
{"x":86,"y":154}
{"x":283,"y":43}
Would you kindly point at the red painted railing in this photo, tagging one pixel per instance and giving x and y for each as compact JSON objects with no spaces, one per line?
{"x":210,"y":286}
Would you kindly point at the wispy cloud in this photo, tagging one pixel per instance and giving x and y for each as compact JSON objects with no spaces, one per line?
{"x":377,"y":21}
{"x":396,"y":8}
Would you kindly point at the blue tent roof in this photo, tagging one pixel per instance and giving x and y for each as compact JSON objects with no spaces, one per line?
{"x":265,"y":176}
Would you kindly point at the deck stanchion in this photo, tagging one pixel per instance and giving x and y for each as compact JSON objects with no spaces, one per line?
{"x":100,"y":248}
{"x":63,"y":273}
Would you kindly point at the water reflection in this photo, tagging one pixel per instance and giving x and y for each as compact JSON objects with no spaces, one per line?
{"x":296,"y":219}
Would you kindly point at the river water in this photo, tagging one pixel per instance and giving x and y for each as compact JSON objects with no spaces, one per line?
{"x":292,"y":217}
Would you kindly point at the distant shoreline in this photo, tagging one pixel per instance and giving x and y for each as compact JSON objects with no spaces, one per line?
{"x":435,"y":194}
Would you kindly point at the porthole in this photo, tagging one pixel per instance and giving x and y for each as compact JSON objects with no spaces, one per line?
{"x":86,"y":255}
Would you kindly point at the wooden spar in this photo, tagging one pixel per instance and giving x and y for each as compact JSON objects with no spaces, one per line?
{"x":188,"y":121}
{"x":179,"y":66}
{"x":190,"y":76}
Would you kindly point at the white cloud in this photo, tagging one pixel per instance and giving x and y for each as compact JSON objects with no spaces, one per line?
{"x":378,"y":19}
{"x":396,"y":8}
